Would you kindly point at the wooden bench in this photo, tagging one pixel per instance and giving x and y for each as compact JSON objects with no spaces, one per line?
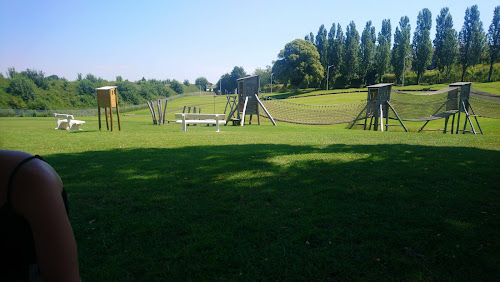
{"x":187,"y":118}
{"x":67,"y":122}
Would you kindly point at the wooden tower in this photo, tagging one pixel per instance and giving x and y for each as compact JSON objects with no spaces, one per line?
{"x":107,"y":97}
{"x":377,"y":108}
{"x":248,"y":101}
{"x":465,"y":107}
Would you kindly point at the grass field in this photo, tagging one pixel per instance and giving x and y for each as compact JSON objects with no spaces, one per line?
{"x":291,"y":202}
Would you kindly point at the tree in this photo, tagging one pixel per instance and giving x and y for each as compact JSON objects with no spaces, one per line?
{"x":322,"y":46}
{"x":176,"y":86}
{"x":119,"y":78}
{"x":22,"y":87}
{"x":38,"y":77}
{"x":401,"y":48}
{"x":265,"y":75}
{"x":351,"y":53}
{"x":236,"y":73}
{"x":128,"y":92}
{"x":331,"y":40}
{"x":336,"y":53}
{"x":11,"y":72}
{"x":186,"y":82}
{"x":422,"y":45}
{"x":494,"y":39}
{"x":445,"y":43}
{"x":367,"y":51}
{"x":471,"y":39}
{"x":383,"y":51}
{"x":298,"y":63}
{"x":311,"y":37}
{"x":201,"y":81}
{"x":86,"y":87}
{"x":386,"y":30}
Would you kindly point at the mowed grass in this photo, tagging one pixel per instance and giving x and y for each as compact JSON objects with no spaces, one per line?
{"x":291,"y":202}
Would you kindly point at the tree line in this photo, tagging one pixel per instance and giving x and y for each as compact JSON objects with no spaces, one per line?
{"x":32,"y":89}
{"x":335,"y":57}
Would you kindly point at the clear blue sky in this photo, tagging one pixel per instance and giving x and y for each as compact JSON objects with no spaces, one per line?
{"x":183,"y":39}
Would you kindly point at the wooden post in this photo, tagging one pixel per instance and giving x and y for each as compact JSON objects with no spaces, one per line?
{"x":164,"y":111}
{"x":99,"y":115}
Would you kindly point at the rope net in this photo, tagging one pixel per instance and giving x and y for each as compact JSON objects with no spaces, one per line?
{"x":312,"y":114}
{"x":409,"y":106}
{"x":485,"y":104}
{"x":425,"y":106}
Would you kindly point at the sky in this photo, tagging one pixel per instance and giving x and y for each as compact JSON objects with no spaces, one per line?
{"x":184,"y":39}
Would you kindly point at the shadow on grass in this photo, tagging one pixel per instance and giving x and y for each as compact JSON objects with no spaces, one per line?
{"x":274,"y":212}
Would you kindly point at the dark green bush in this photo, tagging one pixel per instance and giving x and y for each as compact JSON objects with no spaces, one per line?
{"x":176,"y":86}
{"x":22,"y":87}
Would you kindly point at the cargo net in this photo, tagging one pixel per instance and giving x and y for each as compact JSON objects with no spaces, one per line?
{"x":485,"y":104}
{"x":285,"y":111}
{"x":425,"y":106}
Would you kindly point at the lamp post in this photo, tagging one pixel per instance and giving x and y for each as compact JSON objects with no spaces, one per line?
{"x":327,"y":76}
{"x":404,"y":68}
{"x":272,"y":83}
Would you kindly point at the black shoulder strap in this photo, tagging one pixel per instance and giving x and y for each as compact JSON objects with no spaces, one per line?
{"x":14,"y":172}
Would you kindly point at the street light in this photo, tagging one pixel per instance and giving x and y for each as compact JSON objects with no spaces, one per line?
{"x":272,"y":83}
{"x":404,"y":68}
{"x":327,"y":75}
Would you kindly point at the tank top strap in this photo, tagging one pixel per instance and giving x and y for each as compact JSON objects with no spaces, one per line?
{"x":15,"y":171}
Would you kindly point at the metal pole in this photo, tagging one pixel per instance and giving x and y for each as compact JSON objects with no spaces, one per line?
{"x":327,"y":76}
{"x":404,"y":68}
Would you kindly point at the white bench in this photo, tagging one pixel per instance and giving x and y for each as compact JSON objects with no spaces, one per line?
{"x":67,"y":122}
{"x":187,"y":118}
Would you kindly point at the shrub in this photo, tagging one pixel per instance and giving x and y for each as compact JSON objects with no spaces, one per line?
{"x":128,"y":92}
{"x":86,"y":87}
{"x":16,"y":103}
{"x":176,"y":86}
{"x":432,"y":77}
{"x":38,"y":105}
{"x":23,"y":87}
{"x":389,"y":78}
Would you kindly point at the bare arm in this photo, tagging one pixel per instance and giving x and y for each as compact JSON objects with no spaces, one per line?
{"x":37,"y":196}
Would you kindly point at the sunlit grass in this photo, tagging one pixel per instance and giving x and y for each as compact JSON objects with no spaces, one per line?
{"x":291,"y":202}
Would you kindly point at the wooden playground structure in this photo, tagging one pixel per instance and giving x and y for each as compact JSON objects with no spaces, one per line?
{"x":247,"y":102}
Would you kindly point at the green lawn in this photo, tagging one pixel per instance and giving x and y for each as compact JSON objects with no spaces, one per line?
{"x":291,"y":202}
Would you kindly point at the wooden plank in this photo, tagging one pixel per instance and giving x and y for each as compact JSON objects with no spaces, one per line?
{"x":244,"y":110}
{"x":265,"y":110}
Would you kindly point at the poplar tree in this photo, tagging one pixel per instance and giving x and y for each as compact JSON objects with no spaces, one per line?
{"x":322,"y":46}
{"x":422,"y":45}
{"x":336,"y":52}
{"x":471,"y":39}
{"x":351,"y":53}
{"x":386,"y":30}
{"x":401,"y":48}
{"x":445,"y":43}
{"x":367,"y":51}
{"x":331,"y":40}
{"x":383,"y":51}
{"x":494,"y":39}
